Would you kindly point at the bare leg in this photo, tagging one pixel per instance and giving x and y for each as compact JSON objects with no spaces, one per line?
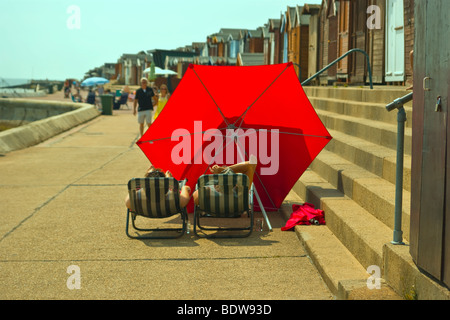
{"x":127,"y":202}
{"x":184,"y":196}
{"x":248,"y":168}
{"x":185,"y":191}
{"x":195,"y":196}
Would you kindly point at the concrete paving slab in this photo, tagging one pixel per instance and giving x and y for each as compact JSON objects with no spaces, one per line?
{"x":20,"y":202}
{"x":228,"y":279}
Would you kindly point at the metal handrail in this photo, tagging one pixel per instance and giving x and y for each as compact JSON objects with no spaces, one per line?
{"x":339,"y":59}
{"x":401,"y":119}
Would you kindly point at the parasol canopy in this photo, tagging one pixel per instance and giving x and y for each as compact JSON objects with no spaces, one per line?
{"x":223,"y":114}
{"x":159,"y":71}
{"x":89,"y":82}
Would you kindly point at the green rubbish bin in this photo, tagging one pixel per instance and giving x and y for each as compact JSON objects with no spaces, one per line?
{"x":107,"y":104}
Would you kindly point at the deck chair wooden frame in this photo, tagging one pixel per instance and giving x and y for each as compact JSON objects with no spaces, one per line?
{"x":231,"y":200}
{"x":155,"y":198}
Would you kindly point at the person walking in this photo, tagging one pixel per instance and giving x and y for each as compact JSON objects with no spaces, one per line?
{"x":144,"y":112}
{"x":163,"y":98}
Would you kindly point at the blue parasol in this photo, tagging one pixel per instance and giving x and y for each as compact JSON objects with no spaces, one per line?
{"x":94,"y":81}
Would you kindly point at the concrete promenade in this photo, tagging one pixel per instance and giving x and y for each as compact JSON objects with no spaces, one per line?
{"x":62,"y":205}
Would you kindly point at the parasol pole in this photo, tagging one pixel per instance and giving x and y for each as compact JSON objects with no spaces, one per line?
{"x":262,"y":209}
{"x":257,"y":196}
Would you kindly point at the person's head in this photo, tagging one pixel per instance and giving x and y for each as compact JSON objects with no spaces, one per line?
{"x":154,"y":172}
{"x":163,"y":89}
{"x":144,"y":83}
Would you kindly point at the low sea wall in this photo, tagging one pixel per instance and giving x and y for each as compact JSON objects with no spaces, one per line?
{"x":21,"y":93}
{"x":42,"y":120}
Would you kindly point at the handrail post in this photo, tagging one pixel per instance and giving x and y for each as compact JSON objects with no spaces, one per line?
{"x":339,"y":59}
{"x":398,"y":233}
{"x":401,"y":119}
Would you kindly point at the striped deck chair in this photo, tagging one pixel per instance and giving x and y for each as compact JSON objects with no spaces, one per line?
{"x":223,"y":196}
{"x":155,"y":198}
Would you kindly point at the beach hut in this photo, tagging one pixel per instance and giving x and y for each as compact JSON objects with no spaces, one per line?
{"x":343,"y":40}
{"x":254,"y":41}
{"x":395,"y":41}
{"x":358,"y":35}
{"x":231,"y":41}
{"x":275,"y":40}
{"x":297,"y":26}
{"x":313,"y":12}
{"x":328,"y":40}
{"x":362,"y":25}
{"x":250,"y":59}
{"x":382,"y":28}
{"x":293,"y":32}
{"x":302,"y":25}
{"x":284,"y":39}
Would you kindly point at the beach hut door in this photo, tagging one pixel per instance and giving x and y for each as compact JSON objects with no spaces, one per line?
{"x":430,"y":167}
{"x":395,"y":41}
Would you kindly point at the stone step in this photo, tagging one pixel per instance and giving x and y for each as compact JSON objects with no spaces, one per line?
{"x":353,"y":181}
{"x":359,"y":231}
{"x":380,"y":94}
{"x":379,"y":133}
{"x":374,"y":158}
{"x":402,"y":273}
{"x":357,"y":109}
{"x":344,"y":275}
{"x":374,"y":194}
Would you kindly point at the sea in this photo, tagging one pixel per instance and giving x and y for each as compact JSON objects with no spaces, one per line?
{"x":8,"y":82}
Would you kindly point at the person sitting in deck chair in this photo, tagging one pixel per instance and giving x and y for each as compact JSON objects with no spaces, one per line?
{"x":248,"y":168}
{"x":122,"y":100}
{"x":156,"y":172}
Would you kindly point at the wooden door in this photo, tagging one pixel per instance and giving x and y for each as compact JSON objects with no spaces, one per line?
{"x":395,"y":41}
{"x":285,"y":47}
{"x":358,"y":40}
{"x":313,"y":44}
{"x":344,"y":29}
{"x":272,"y":49}
{"x":430,"y":194}
{"x":332,"y":38}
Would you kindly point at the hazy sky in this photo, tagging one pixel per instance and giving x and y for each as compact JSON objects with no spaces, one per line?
{"x":58,"y":39}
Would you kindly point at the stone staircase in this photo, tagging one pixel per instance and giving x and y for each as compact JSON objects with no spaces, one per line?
{"x":353,"y":181}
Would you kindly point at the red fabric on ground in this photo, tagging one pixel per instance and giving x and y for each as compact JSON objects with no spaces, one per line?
{"x":302,"y":214}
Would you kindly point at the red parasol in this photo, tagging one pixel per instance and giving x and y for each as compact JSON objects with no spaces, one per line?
{"x":221,"y":114}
